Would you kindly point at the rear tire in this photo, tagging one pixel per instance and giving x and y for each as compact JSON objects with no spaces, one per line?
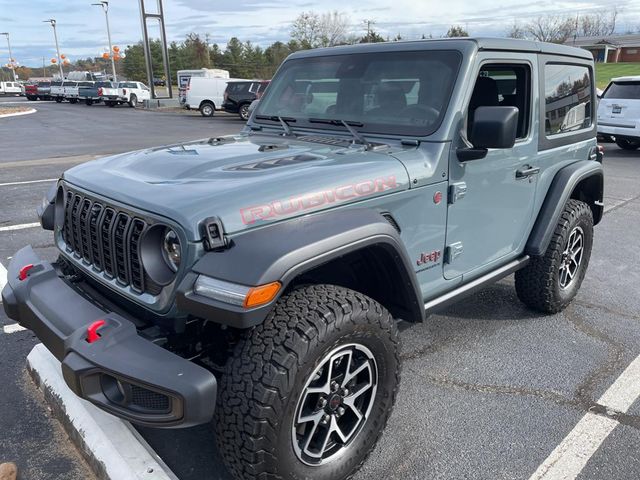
{"x":133,"y":101}
{"x":73,"y":100}
{"x":88,"y":102}
{"x":549,"y":282}
{"x":207,"y":109}
{"x":244,"y":111}
{"x":58,"y":100}
{"x":274,"y":406}
{"x":627,"y":144}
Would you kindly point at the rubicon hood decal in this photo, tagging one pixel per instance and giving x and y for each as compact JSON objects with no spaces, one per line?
{"x":313,"y":200}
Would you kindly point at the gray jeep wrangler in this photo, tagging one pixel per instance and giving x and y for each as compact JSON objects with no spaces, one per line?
{"x":258,"y":279}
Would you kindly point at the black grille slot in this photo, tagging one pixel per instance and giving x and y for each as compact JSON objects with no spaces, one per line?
{"x":149,"y":400}
{"x":137,"y":276}
{"x":120,"y":229}
{"x":108,"y":239}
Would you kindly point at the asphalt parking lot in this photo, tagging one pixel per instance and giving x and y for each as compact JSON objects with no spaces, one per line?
{"x":489,"y":388}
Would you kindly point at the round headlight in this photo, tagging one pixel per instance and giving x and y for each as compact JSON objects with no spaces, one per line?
{"x":171,"y":249}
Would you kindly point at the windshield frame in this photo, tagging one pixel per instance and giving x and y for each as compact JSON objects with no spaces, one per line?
{"x":378,"y":129}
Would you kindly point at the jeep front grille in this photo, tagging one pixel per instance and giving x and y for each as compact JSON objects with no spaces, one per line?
{"x":108,"y":239}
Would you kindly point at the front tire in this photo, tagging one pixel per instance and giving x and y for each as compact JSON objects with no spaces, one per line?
{"x":133,"y":101}
{"x":308,"y":392}
{"x":73,"y":100}
{"x":627,"y":144}
{"x":58,"y":100}
{"x":88,"y":102}
{"x":551,"y":281}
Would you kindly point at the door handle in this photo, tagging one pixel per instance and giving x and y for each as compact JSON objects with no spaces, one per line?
{"x":527,"y":171}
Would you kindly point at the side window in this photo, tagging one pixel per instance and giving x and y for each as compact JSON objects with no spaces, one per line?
{"x":567,"y":98}
{"x":503,"y":85}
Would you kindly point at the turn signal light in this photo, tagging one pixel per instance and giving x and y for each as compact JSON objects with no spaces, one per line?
{"x":24,"y":271}
{"x":261,"y":295}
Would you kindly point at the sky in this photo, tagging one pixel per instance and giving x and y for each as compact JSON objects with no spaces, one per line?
{"x":82,"y":30}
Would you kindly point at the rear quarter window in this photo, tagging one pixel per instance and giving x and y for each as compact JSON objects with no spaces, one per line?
{"x":567,"y":98}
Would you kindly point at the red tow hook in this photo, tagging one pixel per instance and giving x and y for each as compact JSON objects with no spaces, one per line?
{"x":92,"y":330}
{"x":24,"y":272}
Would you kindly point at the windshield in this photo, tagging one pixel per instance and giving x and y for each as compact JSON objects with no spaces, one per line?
{"x":392,"y":92}
{"x":623,"y":90}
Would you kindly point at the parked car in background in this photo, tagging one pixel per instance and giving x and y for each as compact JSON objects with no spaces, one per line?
{"x":10,"y":88}
{"x":57,"y":90}
{"x":206,"y":94}
{"x":619,"y":112}
{"x":31,"y":91}
{"x":239,"y":95}
{"x":126,"y":92}
{"x":89,"y":94}
{"x":44,"y":90}
{"x":71,"y":90}
{"x":159,"y":82}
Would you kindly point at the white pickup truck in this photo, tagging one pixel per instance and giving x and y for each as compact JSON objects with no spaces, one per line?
{"x":126,"y":92}
{"x":71,"y":90}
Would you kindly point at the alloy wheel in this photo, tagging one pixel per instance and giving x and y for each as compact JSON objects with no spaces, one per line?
{"x":571,"y":258}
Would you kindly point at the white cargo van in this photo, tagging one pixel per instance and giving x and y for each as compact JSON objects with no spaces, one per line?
{"x":206,"y":94}
{"x":185,"y":75}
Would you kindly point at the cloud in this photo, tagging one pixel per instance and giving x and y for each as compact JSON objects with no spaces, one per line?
{"x":82,"y":33}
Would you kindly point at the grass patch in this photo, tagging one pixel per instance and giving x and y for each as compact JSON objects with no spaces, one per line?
{"x":606,"y":71}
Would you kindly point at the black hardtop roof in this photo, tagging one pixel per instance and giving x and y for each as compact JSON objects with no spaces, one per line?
{"x":461,"y":43}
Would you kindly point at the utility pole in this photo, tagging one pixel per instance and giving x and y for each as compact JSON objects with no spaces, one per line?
{"x":55,"y":36}
{"x":368,"y":23}
{"x":44,"y":69}
{"x":11,"y":62}
{"x":105,"y":7}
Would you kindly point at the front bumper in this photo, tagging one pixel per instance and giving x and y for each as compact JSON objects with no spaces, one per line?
{"x":122,"y":372}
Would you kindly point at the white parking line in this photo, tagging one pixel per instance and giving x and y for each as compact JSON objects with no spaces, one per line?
{"x":13,"y":328}
{"x":22,"y":226}
{"x":569,"y":458}
{"x":27,"y":182}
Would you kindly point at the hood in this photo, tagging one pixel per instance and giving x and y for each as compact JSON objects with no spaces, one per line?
{"x":246,"y":181}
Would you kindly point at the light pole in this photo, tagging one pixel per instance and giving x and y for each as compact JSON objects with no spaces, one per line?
{"x":55,"y":36}
{"x":105,"y":7}
{"x":13,"y":66}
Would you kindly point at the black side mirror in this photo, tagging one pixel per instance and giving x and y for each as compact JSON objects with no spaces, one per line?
{"x":493,"y":127}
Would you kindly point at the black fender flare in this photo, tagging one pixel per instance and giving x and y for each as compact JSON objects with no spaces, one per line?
{"x":283,"y":251}
{"x":563,"y":187}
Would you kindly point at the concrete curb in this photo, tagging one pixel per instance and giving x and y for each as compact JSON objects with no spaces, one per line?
{"x":112,"y":447}
{"x":27,"y":112}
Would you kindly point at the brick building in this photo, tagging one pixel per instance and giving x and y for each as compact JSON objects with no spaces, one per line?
{"x":610,"y":49}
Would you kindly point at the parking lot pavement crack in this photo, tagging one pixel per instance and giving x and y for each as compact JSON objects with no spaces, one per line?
{"x":615,"y":362}
{"x":550,"y":395}
{"x":620,"y":205}
{"x":606,"y":309}
{"x":621,"y":417}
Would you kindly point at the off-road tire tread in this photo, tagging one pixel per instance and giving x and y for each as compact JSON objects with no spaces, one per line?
{"x":535,"y":283}
{"x":264,"y":364}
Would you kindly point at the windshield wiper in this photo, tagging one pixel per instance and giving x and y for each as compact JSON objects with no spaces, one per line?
{"x":357,"y":137}
{"x":284,"y":121}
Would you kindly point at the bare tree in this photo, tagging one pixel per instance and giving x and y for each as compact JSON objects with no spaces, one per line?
{"x":516,"y":31}
{"x":334,"y":27}
{"x":551,"y":28}
{"x":312,"y":30}
{"x":306,"y":29}
{"x":598,"y":24}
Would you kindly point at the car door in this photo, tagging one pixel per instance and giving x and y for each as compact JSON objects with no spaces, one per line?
{"x":491,"y":199}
